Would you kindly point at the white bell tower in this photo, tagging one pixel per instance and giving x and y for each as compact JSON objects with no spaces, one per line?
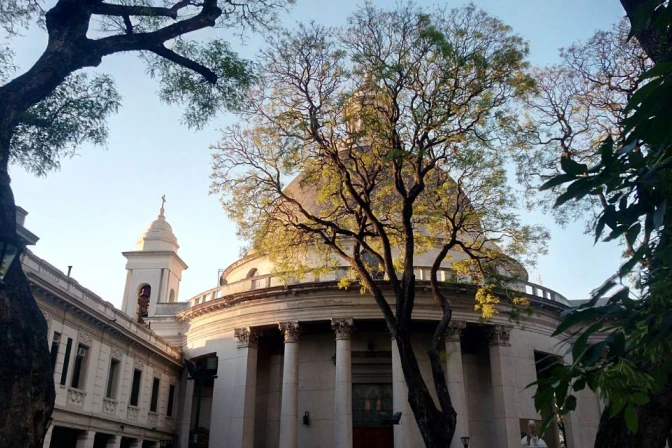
{"x":154,"y":269}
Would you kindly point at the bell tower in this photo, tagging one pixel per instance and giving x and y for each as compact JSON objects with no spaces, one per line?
{"x":154,"y":270}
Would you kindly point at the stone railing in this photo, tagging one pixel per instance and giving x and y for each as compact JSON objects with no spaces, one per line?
{"x":445,"y":275}
{"x":168,"y":422}
{"x":132,"y":412}
{"x":34,"y":266}
{"x":152,"y":418}
{"x":109,"y":405}
{"x":76,"y":396}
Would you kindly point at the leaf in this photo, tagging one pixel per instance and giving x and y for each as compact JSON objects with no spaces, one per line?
{"x":640,"y":399}
{"x":593,"y":353}
{"x":579,"y":385}
{"x":572,"y":167}
{"x":557,"y":180}
{"x":575,"y":318}
{"x":633,"y":233}
{"x":631,"y":419}
{"x":626,"y":267}
{"x":661,"y":68}
{"x":659,"y":214}
{"x":627,"y":148}
{"x":570,"y":404}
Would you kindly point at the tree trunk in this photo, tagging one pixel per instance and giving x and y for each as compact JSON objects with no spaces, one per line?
{"x":27,"y":386}
{"x":654,"y":425}
{"x":436,"y":428}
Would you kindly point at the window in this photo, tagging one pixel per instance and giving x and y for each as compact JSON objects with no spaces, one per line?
{"x":66,"y":361}
{"x":171,"y":398}
{"x":251,"y":273}
{"x":112,"y":376}
{"x":79,"y":372}
{"x":155,"y":395}
{"x":55,"y":342}
{"x":135,"y":389}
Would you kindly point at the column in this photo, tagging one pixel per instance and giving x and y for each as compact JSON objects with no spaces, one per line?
{"x":406,"y":433}
{"x":187,"y":397}
{"x":113,"y":442}
{"x":289,"y":407}
{"x":343,"y":384}
{"x":47,"y":437}
{"x":504,"y":393}
{"x":455,"y":380}
{"x":86,"y":439}
{"x":136,"y":443}
{"x":245,"y":388}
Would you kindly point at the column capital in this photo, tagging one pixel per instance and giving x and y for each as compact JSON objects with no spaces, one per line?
{"x":247,"y":337}
{"x":290,"y":331}
{"x":343,"y":328}
{"x":454,"y":330}
{"x":499,"y":335}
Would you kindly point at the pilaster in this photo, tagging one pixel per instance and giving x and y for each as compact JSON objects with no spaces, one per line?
{"x":289,"y":407}
{"x":343,"y":384}
{"x":455,"y":380}
{"x":245,"y":387}
{"x":502,"y":368}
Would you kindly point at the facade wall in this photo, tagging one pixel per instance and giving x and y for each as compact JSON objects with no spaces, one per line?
{"x":78,"y":315}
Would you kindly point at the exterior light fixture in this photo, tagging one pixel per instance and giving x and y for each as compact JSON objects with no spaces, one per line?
{"x":465,"y":442}
{"x":393,"y":420}
{"x":9,"y":250}
{"x":306,"y":418}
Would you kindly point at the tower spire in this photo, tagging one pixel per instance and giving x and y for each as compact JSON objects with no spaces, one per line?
{"x":163,"y":203}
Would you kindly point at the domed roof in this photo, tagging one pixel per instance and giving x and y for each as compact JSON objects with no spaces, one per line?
{"x":158,"y":236}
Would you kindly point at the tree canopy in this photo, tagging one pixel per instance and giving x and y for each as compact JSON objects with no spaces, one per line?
{"x":61,"y":107}
{"x":396,"y":127}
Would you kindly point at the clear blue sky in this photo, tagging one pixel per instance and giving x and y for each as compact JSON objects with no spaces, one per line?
{"x":101,"y":201}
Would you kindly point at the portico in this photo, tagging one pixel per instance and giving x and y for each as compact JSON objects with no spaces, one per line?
{"x":330,"y":381}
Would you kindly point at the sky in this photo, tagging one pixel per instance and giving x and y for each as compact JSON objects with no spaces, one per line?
{"x":101,"y":201}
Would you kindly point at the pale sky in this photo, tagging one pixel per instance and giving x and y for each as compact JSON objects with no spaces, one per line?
{"x":101,"y":201}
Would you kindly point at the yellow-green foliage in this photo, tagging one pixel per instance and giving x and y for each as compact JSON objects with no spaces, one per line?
{"x":419,"y":130}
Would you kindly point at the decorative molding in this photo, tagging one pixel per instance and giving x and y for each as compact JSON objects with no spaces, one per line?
{"x":499,"y":335}
{"x":139,"y":363}
{"x":290,"y":330}
{"x":132,"y":412}
{"x":168,"y":421}
{"x":109,"y":405}
{"x":454,"y":330}
{"x":343,"y":328}
{"x":76,"y":396}
{"x":117,"y":353}
{"x":152,"y":418}
{"x":247,"y":337}
{"x":47,"y":316}
{"x":84,"y":337}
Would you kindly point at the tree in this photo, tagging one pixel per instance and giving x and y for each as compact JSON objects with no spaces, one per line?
{"x":621,"y":347}
{"x":579,"y":102}
{"x":50,"y":109}
{"x":396,"y":126}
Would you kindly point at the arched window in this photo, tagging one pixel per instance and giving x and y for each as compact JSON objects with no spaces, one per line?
{"x":171,"y":296}
{"x":144,"y":294}
{"x":251,"y":273}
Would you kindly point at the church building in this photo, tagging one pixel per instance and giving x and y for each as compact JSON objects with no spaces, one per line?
{"x":261,"y":361}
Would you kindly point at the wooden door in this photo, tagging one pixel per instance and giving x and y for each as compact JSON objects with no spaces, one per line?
{"x":373,"y":437}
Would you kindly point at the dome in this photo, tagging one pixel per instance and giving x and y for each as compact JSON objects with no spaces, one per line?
{"x":158,"y":236}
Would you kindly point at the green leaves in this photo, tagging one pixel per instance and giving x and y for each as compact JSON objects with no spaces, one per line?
{"x":76,"y":112}
{"x":202,"y":99}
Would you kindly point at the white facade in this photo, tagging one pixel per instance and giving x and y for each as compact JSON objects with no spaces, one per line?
{"x":299,"y":363}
